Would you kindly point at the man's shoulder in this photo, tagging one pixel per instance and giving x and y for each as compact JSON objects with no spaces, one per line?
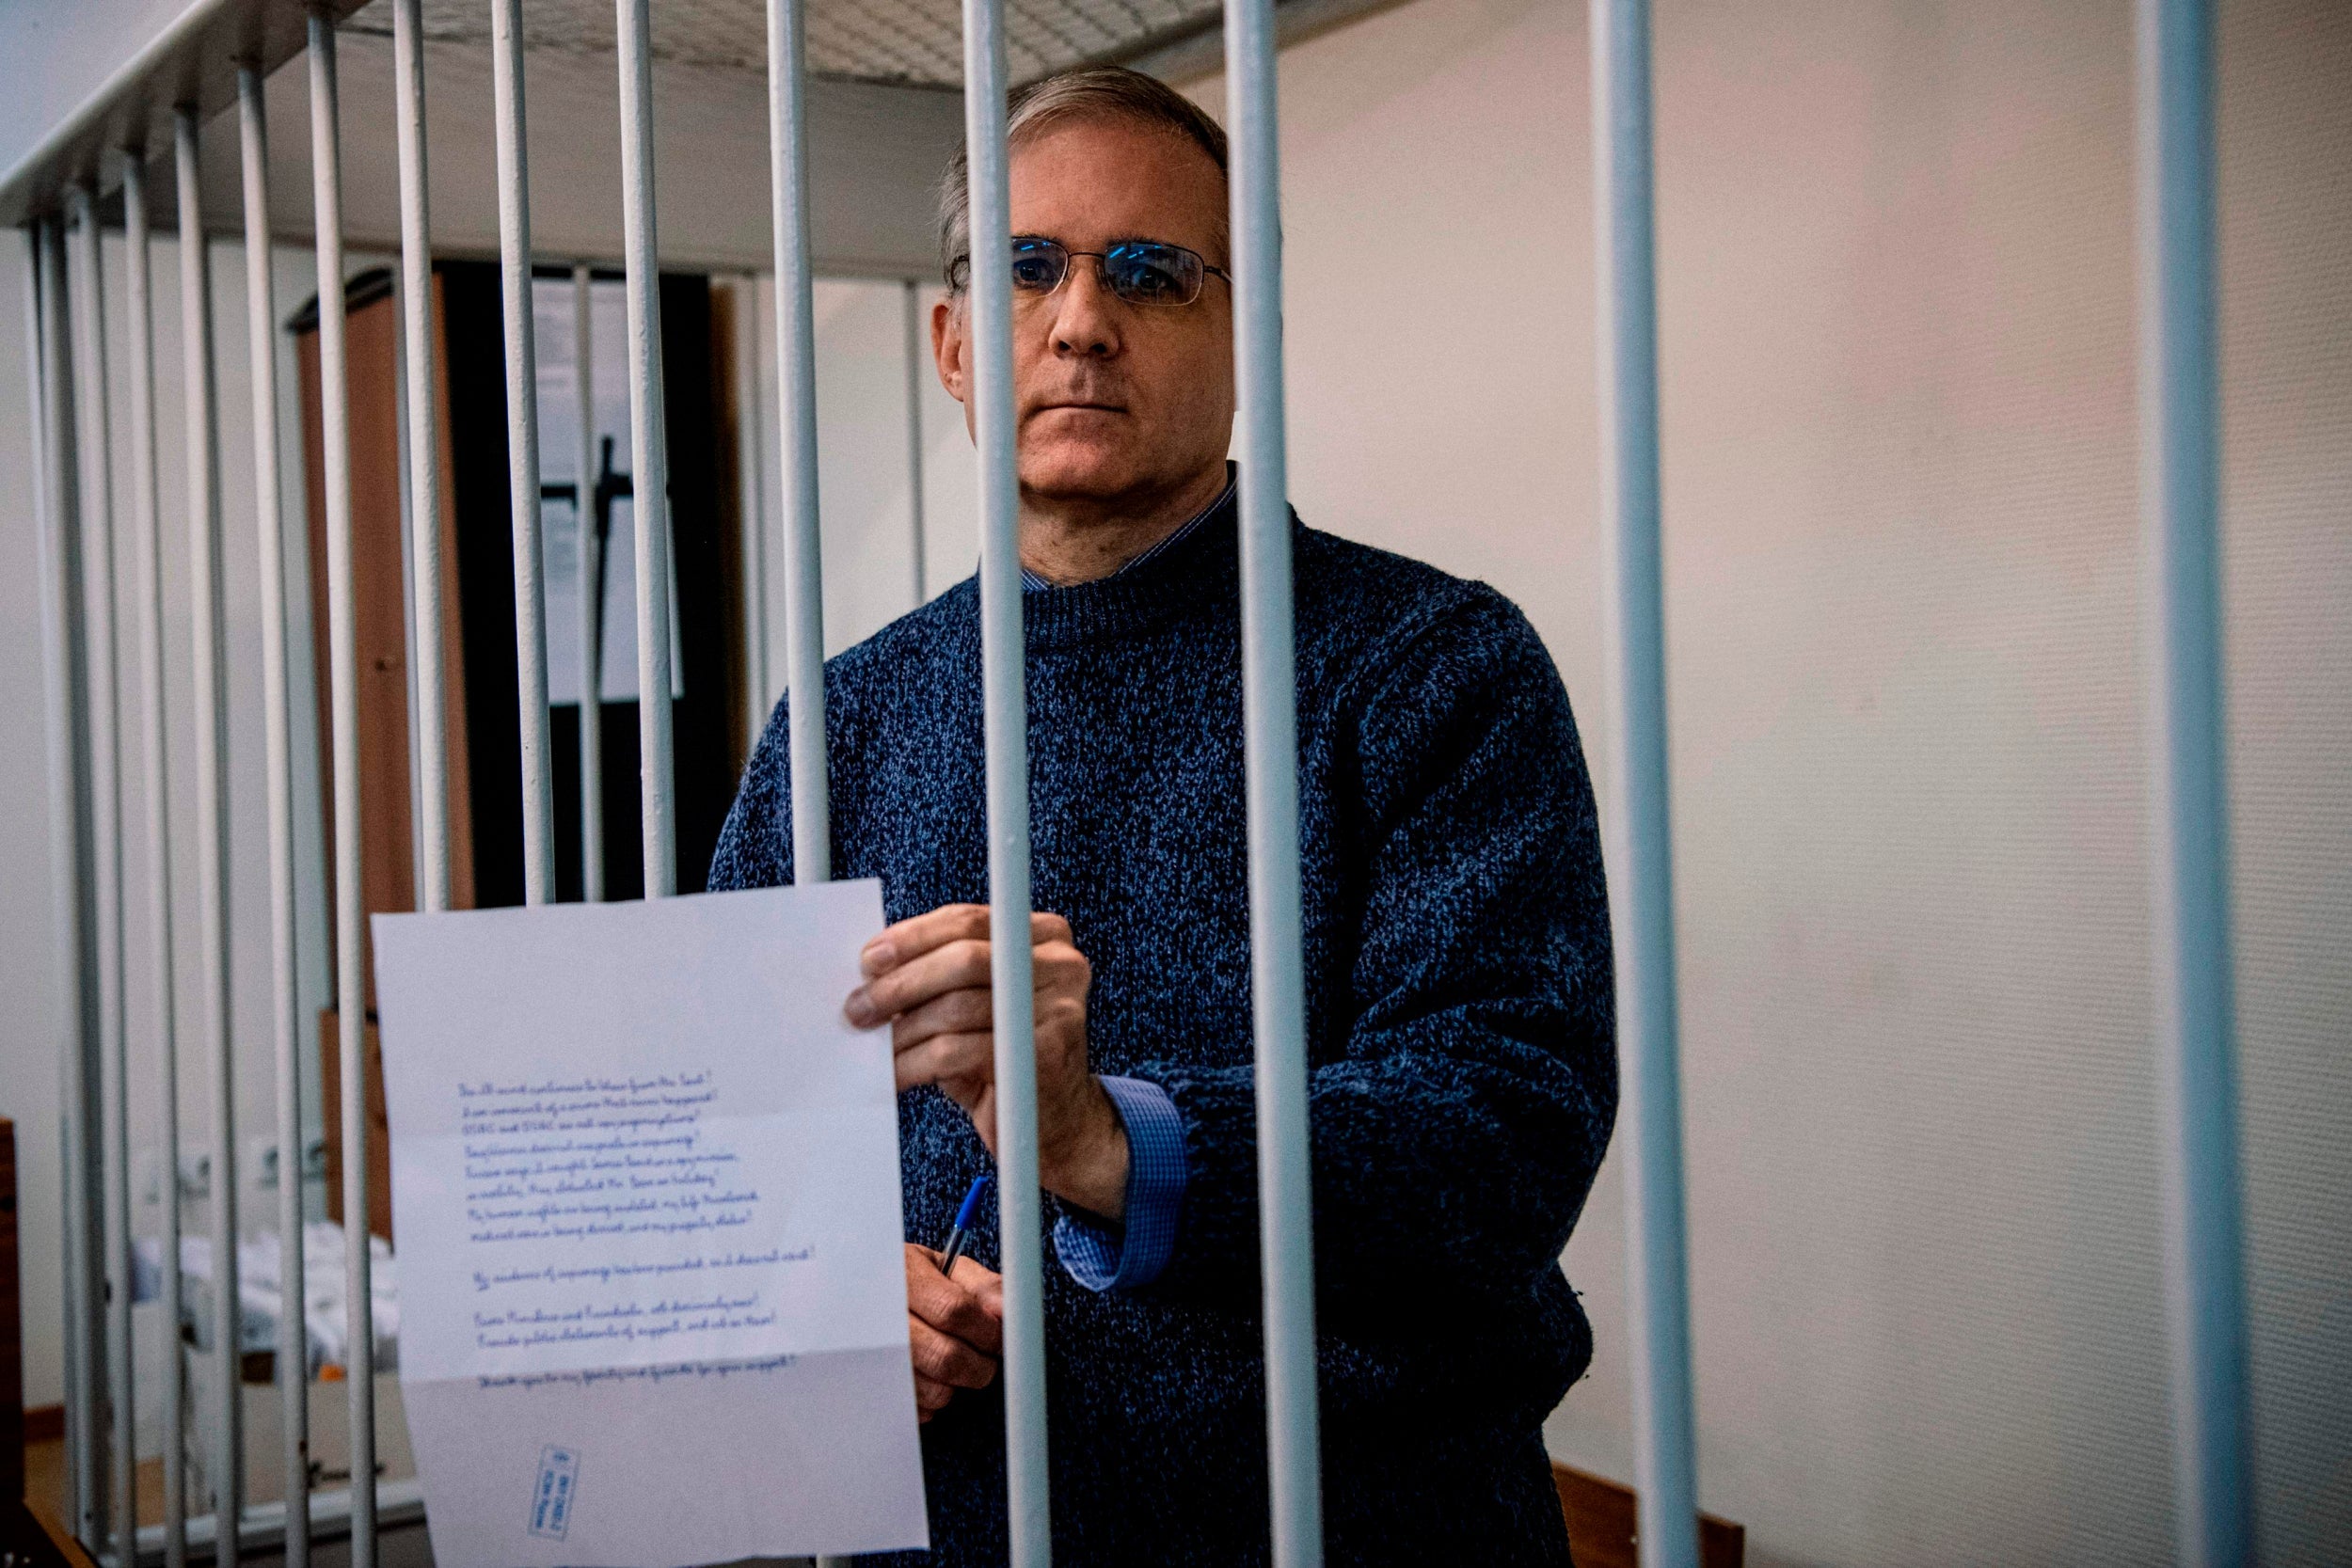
{"x":1369,"y":606}
{"x":943,"y":627}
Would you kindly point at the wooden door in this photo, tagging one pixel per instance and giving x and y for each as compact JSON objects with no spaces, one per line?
{"x":387,"y":830}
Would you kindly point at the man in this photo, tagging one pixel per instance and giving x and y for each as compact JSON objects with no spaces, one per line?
{"x":1456,"y":941}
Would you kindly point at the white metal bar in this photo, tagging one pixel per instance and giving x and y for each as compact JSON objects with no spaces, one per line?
{"x":1006,"y":726}
{"x":63,"y":834}
{"x":796,"y":446}
{"x":406,"y":492}
{"x":1269,"y":688}
{"x":796,"y":418}
{"x":916,"y":365}
{"x":586,"y":511}
{"x":2180,"y":466}
{"x":147,"y":618}
{"x":1664,"y":1457}
{"x":523,"y":448}
{"x":36,"y":406}
{"x":147,"y":589}
{"x":146,"y":614}
{"x":293,"y":1362}
{"x":344,"y":697}
{"x":210,"y":679}
{"x":751,"y":485}
{"x":650,"y":461}
{"x":94,"y":446}
{"x":425,"y":452}
{"x":66,"y":697}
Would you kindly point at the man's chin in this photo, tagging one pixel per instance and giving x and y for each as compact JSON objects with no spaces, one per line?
{"x":1081,"y":476}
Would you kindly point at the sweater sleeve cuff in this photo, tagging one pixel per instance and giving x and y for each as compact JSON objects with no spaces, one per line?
{"x":1102,"y":1256}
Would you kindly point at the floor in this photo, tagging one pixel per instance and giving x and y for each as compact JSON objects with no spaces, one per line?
{"x":403,"y":1547}
{"x":1601,"y":1521}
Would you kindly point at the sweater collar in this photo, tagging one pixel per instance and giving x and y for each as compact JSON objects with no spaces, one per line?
{"x":1196,"y":568}
{"x":1032,"y":583}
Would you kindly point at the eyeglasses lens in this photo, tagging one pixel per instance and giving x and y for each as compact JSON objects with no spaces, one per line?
{"x":1039,"y":266}
{"x":1147,"y":273}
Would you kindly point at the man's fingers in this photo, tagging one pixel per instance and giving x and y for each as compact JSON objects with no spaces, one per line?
{"x":947,"y":950}
{"x":931,"y":1396}
{"x":915,"y":937}
{"x":1058,"y":965}
{"x":968,"y":1307}
{"x":949,"y":988}
{"x":948,"y":991}
{"x":954,"y":965}
{"x":986,"y":1285}
{"x":944,"y":1358}
{"x":910,"y":939}
{"x":979,"y":1321}
{"x":946,"y":1060}
{"x":970,"y":1011}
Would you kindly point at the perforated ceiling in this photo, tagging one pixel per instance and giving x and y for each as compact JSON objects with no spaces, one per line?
{"x":874,"y":40}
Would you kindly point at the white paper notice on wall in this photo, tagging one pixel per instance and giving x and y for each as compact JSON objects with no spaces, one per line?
{"x":646,"y":1201}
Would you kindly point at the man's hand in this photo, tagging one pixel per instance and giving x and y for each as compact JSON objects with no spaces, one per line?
{"x":929,"y":978}
{"x":955,"y":1327}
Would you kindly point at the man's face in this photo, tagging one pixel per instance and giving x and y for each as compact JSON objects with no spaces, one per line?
{"x":1113,"y":401}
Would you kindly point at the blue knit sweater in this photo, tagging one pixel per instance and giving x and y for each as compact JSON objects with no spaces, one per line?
{"x":1459,"y":1025}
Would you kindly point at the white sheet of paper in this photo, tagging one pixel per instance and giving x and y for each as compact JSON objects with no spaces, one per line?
{"x":646,"y":1200}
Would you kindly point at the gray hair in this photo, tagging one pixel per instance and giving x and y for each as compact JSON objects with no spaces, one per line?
{"x":1094,"y":92}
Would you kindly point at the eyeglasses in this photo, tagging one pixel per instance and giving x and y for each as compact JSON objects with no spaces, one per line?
{"x":1139,"y":271}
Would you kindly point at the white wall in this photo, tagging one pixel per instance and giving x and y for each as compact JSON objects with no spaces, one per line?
{"x":1904,"y":615}
{"x":864,"y":475}
{"x":79,"y":48}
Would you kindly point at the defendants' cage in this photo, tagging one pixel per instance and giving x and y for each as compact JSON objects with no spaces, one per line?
{"x":219,"y":54}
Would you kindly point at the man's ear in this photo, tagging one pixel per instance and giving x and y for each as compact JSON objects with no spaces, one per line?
{"x":947,"y":343}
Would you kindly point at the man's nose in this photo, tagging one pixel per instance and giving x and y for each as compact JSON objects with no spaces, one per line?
{"x":1086,"y":315}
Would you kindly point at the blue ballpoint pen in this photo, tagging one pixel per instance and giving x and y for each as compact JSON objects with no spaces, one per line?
{"x":962,"y":1232}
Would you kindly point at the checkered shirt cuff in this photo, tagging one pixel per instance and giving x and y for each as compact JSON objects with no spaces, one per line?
{"x":1102,"y":1256}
